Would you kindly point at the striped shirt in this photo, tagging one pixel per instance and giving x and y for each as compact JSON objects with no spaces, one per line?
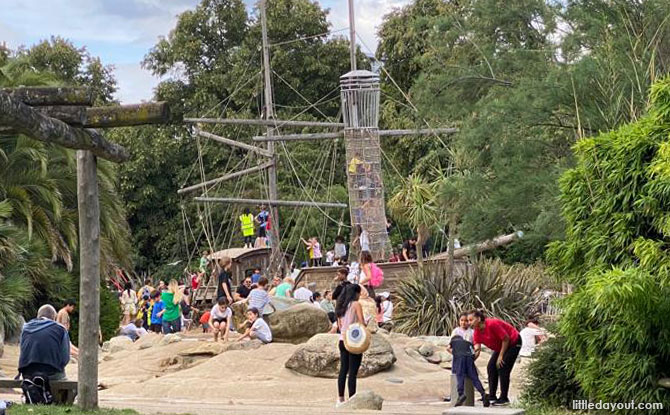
{"x":258,"y":298}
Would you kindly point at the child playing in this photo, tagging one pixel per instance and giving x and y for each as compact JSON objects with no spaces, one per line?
{"x":220,"y":319}
{"x":314,"y":248}
{"x":330,"y":258}
{"x":463,"y":365}
{"x":156,"y":312}
{"x":204,"y":320}
{"x":259,"y":328}
{"x":258,"y":297}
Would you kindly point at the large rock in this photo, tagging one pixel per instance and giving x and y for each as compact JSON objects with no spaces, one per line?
{"x":298,"y":323}
{"x":118,"y":343}
{"x":243,"y":345}
{"x":320,"y":357}
{"x":363,"y":400}
{"x":169,"y":339}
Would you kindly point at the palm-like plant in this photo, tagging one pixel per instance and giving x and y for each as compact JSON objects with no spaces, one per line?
{"x":416,"y":204}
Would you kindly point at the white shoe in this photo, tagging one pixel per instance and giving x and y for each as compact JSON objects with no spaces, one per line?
{"x":339,"y":403}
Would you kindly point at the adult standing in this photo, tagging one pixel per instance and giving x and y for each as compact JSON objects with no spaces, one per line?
{"x":366,"y":272}
{"x":504,"y":340}
{"x":348,"y":311}
{"x":223,"y":288}
{"x":247,"y":227}
{"x":340,"y":248}
{"x":171,"y":315}
{"x":63,"y":317}
{"x":362,"y":240}
{"x":128,"y":303}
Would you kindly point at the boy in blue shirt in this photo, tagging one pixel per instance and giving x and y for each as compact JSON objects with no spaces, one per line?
{"x":156,"y":309}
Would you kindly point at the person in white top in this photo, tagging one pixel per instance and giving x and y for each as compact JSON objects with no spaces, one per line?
{"x":220,"y":319}
{"x":303,"y":293}
{"x":362,"y":239}
{"x":259,"y":328}
{"x":387,"y":307}
{"x":531,"y":336}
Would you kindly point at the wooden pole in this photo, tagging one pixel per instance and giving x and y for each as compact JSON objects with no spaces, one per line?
{"x":195,"y":187}
{"x":325,"y":136}
{"x":47,"y":95}
{"x":269,"y":123}
{"x":269,"y":116}
{"x":89,"y":286}
{"x":292,"y":203}
{"x":26,"y":120}
{"x":233,"y":143}
{"x":128,"y":115}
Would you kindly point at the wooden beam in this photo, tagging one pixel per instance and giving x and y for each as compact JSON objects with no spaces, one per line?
{"x":325,"y":136}
{"x":41,"y":95}
{"x":229,"y":176}
{"x":26,"y":120}
{"x":69,"y":114}
{"x":127,"y":115}
{"x":267,"y":123}
{"x":478,"y":248}
{"x":233,"y":143}
{"x":292,"y":203}
{"x":88,"y":205}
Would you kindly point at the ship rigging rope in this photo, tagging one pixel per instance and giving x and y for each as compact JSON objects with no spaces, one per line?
{"x":308,"y":37}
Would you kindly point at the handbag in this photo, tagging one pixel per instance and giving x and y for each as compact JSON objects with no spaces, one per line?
{"x":357,"y":338}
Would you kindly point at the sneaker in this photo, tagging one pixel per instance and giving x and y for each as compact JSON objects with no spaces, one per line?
{"x":500,"y":402}
{"x":485,"y":401}
{"x":338,"y":403}
{"x":460,"y":401}
{"x":446,"y":399}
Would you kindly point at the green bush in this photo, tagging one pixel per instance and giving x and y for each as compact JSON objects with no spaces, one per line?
{"x":550,"y":380}
{"x":429,"y":302}
{"x":110,"y":316}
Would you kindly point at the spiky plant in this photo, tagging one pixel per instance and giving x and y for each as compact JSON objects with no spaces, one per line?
{"x":429,"y":303}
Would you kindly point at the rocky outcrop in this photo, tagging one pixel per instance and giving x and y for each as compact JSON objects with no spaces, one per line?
{"x":117,"y":344}
{"x":431,"y":349}
{"x":320,"y":357}
{"x":363,"y":400}
{"x":203,"y":349}
{"x":169,"y":339}
{"x":298,"y":323}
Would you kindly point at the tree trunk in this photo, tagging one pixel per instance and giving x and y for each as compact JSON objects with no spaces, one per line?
{"x":89,"y":287}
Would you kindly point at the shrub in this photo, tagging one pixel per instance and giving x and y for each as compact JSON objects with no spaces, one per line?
{"x":110,"y":316}
{"x":550,"y":380}
{"x":429,"y":302}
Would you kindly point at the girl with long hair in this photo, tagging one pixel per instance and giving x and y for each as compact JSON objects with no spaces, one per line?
{"x":128,"y":303}
{"x":348,"y":311}
{"x":366,"y":272}
{"x":171,"y":315}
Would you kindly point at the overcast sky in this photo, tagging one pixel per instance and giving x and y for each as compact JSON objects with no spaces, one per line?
{"x":122,"y":31}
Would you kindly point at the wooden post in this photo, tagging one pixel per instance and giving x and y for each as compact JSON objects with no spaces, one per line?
{"x":89,"y":286}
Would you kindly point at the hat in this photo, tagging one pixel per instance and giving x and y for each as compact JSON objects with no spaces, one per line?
{"x":385,"y":294}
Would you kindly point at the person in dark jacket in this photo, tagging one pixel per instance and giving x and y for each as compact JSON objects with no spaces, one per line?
{"x":45,"y":346}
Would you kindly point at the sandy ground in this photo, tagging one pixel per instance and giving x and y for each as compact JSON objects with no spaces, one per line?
{"x":254,"y":382}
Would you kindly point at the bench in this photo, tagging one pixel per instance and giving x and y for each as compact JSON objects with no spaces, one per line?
{"x":63,"y":391}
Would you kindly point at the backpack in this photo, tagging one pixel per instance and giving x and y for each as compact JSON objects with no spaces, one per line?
{"x":377,"y":276}
{"x":36,"y":390}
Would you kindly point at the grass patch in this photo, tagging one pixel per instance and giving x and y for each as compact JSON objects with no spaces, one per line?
{"x":64,"y":410}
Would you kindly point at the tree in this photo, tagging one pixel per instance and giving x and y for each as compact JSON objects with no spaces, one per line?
{"x":415,"y":203}
{"x":615,"y":204}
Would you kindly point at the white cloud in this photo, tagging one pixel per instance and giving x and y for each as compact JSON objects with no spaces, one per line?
{"x":135,"y":84}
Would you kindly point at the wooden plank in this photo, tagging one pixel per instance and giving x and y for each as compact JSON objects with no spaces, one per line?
{"x":69,"y":114}
{"x":128,"y":115}
{"x":46,"y":95}
{"x":225,"y":177}
{"x":292,"y":203}
{"x":89,"y":278}
{"x":326,"y":136}
{"x":268,"y":123}
{"x":26,"y":120}
{"x":233,"y":143}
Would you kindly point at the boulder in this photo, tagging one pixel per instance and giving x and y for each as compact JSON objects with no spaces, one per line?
{"x":203,"y":349}
{"x":426,"y":349}
{"x":320,"y":357}
{"x":298,"y":323}
{"x":439,"y":341}
{"x":445,"y":357}
{"x":434,"y":359}
{"x":414,"y":354}
{"x":169,"y":338}
{"x":117,"y":344}
{"x":363,"y":400}
{"x":445,"y":365}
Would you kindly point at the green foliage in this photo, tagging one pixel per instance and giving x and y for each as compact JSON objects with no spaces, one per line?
{"x":65,"y":410}
{"x":429,"y":303}
{"x":110,"y":315}
{"x":550,"y":380}
{"x":615,"y":204}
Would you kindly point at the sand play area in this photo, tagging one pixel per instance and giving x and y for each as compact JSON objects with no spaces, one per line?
{"x":152,"y":377}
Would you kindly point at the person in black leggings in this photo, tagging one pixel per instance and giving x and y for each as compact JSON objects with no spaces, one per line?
{"x":504,"y":340}
{"x":348,"y":311}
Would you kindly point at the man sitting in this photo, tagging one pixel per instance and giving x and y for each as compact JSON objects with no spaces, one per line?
{"x":243,"y":290}
{"x":45,"y":346}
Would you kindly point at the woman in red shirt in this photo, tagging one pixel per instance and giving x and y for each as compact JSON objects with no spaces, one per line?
{"x":504,"y":340}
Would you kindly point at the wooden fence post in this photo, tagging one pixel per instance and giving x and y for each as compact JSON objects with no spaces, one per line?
{"x":89,"y":287}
